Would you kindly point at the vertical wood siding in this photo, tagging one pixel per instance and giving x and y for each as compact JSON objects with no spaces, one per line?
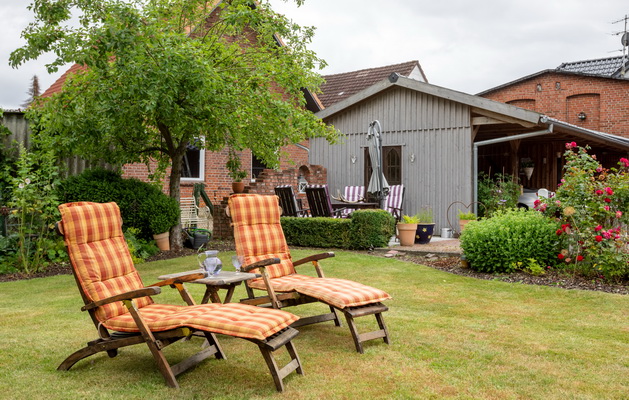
{"x":436,"y":131}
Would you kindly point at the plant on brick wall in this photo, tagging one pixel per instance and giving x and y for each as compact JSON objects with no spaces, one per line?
{"x":158,"y":76}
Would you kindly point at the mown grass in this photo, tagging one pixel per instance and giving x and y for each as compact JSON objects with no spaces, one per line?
{"x":452,"y":337}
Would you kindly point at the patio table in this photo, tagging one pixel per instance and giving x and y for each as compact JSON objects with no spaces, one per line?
{"x":223,"y":280}
{"x":356,"y":206}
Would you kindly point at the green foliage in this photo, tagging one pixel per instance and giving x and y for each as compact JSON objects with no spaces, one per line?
{"x":34,"y":203}
{"x":142,"y":205}
{"x":498,"y":193}
{"x":234,"y":166}
{"x":365,"y":229}
{"x":591,"y":204}
{"x":498,"y":243}
{"x":159,"y":77}
{"x":530,"y":266}
{"x":469,"y":216}
{"x":410,"y":219}
{"x":371,"y":228}
{"x":140,"y":249}
{"x":425,"y":215}
{"x":317,"y":232}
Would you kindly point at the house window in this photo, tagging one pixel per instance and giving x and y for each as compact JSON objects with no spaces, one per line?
{"x":391,"y":164}
{"x":193,"y":168}
{"x":257,"y":166}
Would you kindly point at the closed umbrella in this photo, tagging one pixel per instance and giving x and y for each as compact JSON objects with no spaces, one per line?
{"x":378,"y":185}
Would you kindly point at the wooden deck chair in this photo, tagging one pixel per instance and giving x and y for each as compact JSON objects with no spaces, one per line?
{"x":124,"y":313}
{"x":393,"y":202}
{"x":288,"y":202}
{"x":259,"y":236}
{"x":319,"y":202}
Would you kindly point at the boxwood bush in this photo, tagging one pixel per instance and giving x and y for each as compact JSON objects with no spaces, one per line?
{"x":371,"y":228}
{"x":317,"y":232}
{"x":142,"y":205}
{"x":365,"y":229}
{"x":497,"y":244}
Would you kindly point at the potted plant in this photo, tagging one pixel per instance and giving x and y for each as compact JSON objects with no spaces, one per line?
{"x":407,"y":229}
{"x":465,"y":217}
{"x":163,"y":213}
{"x":425,"y":226}
{"x":527,"y":166}
{"x":236,"y":172}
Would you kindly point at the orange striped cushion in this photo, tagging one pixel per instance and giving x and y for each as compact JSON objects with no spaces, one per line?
{"x":99,"y":254}
{"x":341,"y":293}
{"x":231,"y":319}
{"x":285,"y":283}
{"x":258,"y":233}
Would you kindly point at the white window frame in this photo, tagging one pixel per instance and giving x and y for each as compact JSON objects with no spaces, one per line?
{"x":201,"y":178}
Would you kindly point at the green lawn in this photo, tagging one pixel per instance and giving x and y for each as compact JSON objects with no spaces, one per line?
{"x":452,"y":337}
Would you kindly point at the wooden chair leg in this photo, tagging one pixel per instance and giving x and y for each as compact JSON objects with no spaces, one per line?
{"x":337,"y":320}
{"x":267,"y":347}
{"x":361,"y":311}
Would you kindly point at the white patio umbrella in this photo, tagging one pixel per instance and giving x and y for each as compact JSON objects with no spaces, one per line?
{"x":378,"y":185}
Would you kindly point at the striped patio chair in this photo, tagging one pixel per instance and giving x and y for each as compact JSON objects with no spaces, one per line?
{"x":258,"y":236}
{"x":393,"y":202}
{"x":353,"y":194}
{"x":124,"y":313}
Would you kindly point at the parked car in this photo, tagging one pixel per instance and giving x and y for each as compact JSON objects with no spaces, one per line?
{"x":528,"y":197}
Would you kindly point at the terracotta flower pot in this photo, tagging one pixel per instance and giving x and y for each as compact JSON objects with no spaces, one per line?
{"x":406,"y":233}
{"x":238,"y":187}
{"x":163,"y":241}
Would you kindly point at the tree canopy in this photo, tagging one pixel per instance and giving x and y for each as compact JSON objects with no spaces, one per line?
{"x":159,"y":74}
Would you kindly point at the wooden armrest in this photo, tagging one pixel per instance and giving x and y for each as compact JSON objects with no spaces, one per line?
{"x":180,"y":279}
{"x":134,"y":294}
{"x":315,"y":257}
{"x":261,"y":264}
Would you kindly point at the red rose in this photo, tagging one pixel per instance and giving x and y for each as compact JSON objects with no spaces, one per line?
{"x":609,"y":191}
{"x":608,"y":200}
{"x":579,"y":258}
{"x":598,"y":228}
{"x":559,"y":232}
{"x":599,"y":238}
{"x":599,"y":192}
{"x":560,"y":256}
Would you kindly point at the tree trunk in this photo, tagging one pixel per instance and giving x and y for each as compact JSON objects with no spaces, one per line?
{"x":176,"y":240}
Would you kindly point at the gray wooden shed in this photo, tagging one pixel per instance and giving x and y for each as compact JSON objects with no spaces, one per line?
{"x":444,"y":136}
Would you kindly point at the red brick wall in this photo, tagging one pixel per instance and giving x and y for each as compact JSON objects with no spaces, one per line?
{"x":563,"y":96}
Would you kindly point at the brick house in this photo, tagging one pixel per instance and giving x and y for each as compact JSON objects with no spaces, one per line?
{"x":590,"y":94}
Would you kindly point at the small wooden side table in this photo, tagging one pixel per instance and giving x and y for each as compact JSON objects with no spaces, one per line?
{"x":223,"y":280}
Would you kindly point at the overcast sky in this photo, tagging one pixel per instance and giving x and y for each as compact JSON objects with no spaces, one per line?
{"x":463,"y":45}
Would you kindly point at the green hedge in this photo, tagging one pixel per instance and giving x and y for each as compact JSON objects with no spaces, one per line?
{"x":364,"y":230}
{"x":142,"y":205}
{"x":497,"y":244}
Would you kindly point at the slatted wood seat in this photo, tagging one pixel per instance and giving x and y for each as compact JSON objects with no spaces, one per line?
{"x":259,"y":236}
{"x":394,"y":201}
{"x":320,"y":204}
{"x":193,"y":216}
{"x":288,"y":202}
{"x":124,"y":314}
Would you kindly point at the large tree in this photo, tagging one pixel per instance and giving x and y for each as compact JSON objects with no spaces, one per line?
{"x":161,"y":73}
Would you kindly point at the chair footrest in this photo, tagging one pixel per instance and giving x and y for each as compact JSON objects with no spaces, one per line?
{"x":367,"y":309}
{"x":280,"y":338}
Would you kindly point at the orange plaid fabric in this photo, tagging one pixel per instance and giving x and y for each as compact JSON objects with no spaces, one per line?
{"x":99,"y":254}
{"x":258,"y":233}
{"x":286,"y":283}
{"x":341,"y":293}
{"x":231,"y":319}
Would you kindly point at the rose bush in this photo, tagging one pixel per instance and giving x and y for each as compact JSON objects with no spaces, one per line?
{"x":590,"y":204}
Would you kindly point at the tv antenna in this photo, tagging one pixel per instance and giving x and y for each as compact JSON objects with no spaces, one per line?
{"x":624,"y":40}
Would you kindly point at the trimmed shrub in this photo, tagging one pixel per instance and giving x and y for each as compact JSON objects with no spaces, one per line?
{"x":142,"y":205}
{"x":364,"y":230}
{"x":499,"y":243}
{"x":317,"y":232}
{"x":371,"y":228}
